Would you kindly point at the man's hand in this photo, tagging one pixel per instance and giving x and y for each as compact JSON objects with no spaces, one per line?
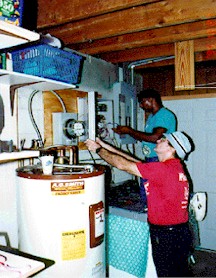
{"x":122,"y":129}
{"x":92,"y":145}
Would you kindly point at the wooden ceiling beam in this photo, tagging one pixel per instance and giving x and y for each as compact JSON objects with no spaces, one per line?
{"x":139,"y":18}
{"x":204,"y":44}
{"x":140,"y":53}
{"x":171,"y":34}
{"x":56,"y":12}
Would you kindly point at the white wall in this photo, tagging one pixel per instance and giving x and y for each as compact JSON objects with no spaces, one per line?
{"x":9,"y":130}
{"x":196,"y":117}
{"x":8,"y":209}
{"x":8,"y":215}
{"x":25,"y":127}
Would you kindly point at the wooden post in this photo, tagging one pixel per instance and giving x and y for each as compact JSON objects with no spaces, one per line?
{"x":184,"y":66}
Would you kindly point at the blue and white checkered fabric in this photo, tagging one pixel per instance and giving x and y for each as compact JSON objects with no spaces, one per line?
{"x":128,"y":244}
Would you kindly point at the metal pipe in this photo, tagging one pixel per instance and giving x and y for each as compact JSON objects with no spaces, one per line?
{"x":89,"y":168}
{"x":144,"y":62}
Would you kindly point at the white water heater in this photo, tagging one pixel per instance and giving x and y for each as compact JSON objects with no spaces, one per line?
{"x":62,"y":217}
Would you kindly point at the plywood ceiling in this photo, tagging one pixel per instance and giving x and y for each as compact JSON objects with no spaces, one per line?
{"x":130,"y":30}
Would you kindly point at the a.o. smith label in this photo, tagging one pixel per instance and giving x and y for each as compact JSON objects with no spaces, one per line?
{"x":68,"y":188}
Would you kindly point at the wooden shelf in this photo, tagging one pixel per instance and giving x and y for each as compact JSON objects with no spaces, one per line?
{"x":34,"y":82}
{"x":7,"y":157}
{"x":11,"y":35}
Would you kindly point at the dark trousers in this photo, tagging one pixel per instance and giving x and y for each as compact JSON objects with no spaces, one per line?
{"x":171,"y":247}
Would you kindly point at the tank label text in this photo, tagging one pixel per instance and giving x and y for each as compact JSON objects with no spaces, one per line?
{"x":68,"y":187}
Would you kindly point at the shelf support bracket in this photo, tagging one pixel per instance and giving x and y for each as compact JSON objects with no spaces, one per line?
{"x":13,"y":89}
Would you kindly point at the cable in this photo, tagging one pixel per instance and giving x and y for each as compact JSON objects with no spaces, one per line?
{"x":32,"y":117}
{"x":92,"y":157}
{"x":41,"y":143}
{"x":61,"y":101}
{"x":128,"y":149}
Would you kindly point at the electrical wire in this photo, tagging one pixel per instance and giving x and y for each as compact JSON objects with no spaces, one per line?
{"x":41,"y":143}
{"x":128,"y":149}
{"x":92,"y":157}
{"x":32,"y":117}
{"x":61,"y":101}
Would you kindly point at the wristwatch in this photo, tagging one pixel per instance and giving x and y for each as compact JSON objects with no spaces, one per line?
{"x":98,"y":149}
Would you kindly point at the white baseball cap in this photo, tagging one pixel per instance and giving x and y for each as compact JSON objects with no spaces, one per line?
{"x":180,"y":143}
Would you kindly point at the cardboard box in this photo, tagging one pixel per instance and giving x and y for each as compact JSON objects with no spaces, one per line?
{"x":11,"y":11}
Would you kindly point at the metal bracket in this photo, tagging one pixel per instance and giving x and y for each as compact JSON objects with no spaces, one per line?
{"x":13,"y":89}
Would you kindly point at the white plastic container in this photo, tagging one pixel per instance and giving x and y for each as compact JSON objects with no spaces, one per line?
{"x":62,"y":218}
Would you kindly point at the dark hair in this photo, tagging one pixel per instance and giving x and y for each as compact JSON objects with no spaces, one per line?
{"x":150,"y":93}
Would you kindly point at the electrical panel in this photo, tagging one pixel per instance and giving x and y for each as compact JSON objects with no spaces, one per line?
{"x":125,"y":109}
{"x":104,"y":119}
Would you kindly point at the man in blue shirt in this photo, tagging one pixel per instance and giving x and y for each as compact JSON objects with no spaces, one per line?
{"x":160,"y":120}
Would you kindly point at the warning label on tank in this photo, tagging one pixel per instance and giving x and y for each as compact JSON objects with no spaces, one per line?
{"x":99,"y":222}
{"x":73,"y":245}
{"x":68,"y":188}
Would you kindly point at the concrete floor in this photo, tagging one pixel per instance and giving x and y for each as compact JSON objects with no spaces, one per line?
{"x":205,"y":263}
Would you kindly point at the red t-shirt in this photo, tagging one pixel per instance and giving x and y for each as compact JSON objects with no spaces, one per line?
{"x":167,"y":191}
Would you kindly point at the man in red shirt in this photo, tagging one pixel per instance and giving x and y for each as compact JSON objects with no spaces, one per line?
{"x":167,"y":190}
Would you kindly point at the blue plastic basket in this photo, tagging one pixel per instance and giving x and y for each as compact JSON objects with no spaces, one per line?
{"x":48,"y":62}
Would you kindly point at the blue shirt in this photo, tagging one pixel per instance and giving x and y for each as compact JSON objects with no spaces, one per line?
{"x":163,"y":118}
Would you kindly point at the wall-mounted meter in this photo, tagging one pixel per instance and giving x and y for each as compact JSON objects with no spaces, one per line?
{"x":125,"y":109}
{"x":66,"y":128}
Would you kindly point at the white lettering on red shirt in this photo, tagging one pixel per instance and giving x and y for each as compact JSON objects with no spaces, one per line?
{"x":146,"y":185}
{"x":182,"y":177}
